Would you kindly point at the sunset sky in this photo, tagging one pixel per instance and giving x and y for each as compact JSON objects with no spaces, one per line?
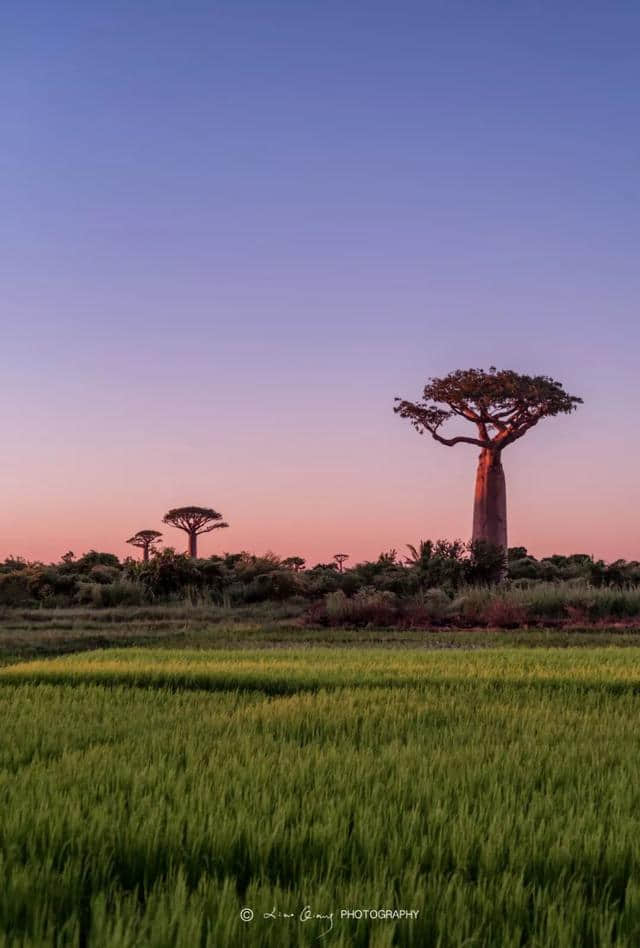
{"x":233,"y":231}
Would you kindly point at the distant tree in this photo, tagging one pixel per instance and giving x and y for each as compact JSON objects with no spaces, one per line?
{"x":68,"y":557}
{"x":145,"y":539}
{"x":503,"y":406}
{"x":340,"y":559}
{"x":296,"y":563}
{"x":194,"y":521}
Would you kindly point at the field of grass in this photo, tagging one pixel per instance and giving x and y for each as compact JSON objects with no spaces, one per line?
{"x":147,"y":796}
{"x":34,"y":633}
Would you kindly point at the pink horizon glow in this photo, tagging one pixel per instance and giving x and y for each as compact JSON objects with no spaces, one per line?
{"x":233,"y":233}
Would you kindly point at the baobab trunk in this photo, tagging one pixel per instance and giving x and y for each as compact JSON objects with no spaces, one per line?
{"x":193,"y":545}
{"x":490,"y":504}
{"x":145,"y":553}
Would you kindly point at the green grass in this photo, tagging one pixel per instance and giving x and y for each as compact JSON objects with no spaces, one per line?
{"x":36,"y":633}
{"x":146,"y":796}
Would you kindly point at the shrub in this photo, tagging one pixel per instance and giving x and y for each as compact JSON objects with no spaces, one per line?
{"x":277,"y":585}
{"x":93,"y":558}
{"x":441,"y":564}
{"x":523,"y":569}
{"x":120,"y":593}
{"x":368,"y":607}
{"x":168,"y":573}
{"x":503,"y":612}
{"x":547,"y":600}
{"x":487,"y":563}
{"x":470,"y":606}
{"x":431,"y":607}
{"x":104,"y":574}
{"x":15,"y":588}
{"x":13,"y":564}
{"x":337,"y":607}
{"x":322,"y":580}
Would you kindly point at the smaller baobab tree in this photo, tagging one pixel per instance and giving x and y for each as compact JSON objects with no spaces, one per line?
{"x":194,"y":521}
{"x":340,"y":559}
{"x":145,"y":540}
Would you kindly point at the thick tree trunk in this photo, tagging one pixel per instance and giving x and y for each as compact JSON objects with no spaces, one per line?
{"x":193,"y":545}
{"x":490,"y":504}
{"x":145,"y":553}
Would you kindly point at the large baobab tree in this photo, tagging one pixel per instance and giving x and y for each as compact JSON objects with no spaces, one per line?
{"x":145,"y":539}
{"x":502,"y":406}
{"x":195,"y":521}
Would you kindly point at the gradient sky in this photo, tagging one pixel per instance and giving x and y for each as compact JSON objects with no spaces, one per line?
{"x":233,"y":231}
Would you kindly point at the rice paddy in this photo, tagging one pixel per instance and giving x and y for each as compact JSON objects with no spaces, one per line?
{"x":149,"y":796}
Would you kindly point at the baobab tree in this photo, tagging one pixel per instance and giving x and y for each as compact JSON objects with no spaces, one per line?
{"x":195,"y":521}
{"x":145,"y":539}
{"x":503,"y":406}
{"x":340,"y":559}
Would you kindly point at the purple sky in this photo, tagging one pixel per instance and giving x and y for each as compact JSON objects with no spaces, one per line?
{"x":232,"y":232}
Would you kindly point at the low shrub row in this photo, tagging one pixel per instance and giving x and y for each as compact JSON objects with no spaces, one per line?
{"x":509,"y":607}
{"x":438,"y":583}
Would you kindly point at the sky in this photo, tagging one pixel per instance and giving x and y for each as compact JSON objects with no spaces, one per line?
{"x":233,"y":231}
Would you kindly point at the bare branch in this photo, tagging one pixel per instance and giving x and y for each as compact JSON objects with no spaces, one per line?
{"x":451,"y":442}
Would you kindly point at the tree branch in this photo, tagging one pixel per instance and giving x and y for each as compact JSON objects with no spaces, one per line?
{"x":450,"y":442}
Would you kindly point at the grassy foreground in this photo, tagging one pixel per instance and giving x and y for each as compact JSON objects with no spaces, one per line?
{"x":147,"y":796}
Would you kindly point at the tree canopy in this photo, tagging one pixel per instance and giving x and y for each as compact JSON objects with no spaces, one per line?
{"x":195,"y":519}
{"x":502,"y":404}
{"x":144,"y":538}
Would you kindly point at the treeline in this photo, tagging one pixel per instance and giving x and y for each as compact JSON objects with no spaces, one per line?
{"x":432,"y":569}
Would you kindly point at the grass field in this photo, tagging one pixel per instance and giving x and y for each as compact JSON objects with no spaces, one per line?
{"x":34,"y":633}
{"x":148,"y":795}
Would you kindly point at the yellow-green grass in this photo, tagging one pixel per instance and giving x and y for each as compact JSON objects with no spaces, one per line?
{"x":47,"y":633}
{"x":147,"y":796}
{"x":284,"y":671}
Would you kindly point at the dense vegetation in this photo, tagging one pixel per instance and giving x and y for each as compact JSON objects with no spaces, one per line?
{"x":148,"y":796}
{"x":447,"y":582}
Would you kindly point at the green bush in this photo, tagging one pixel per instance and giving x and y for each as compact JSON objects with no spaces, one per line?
{"x":368,"y":607}
{"x":104,"y":574}
{"x":16,"y":588}
{"x":430,"y":607}
{"x":277,"y":585}
{"x":168,"y":574}
{"x":337,"y":607}
{"x":120,"y":593}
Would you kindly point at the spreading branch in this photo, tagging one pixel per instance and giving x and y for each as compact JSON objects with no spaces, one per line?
{"x":195,"y":520}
